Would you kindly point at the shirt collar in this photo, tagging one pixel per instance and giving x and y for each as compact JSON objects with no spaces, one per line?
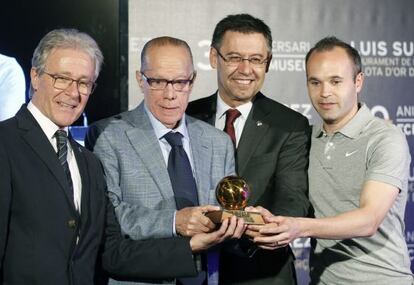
{"x":354,"y":127}
{"x":159,"y":128}
{"x":222,"y":108}
{"x":47,"y":126}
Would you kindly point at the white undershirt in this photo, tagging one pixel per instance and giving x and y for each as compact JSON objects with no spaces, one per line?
{"x":49,"y":128}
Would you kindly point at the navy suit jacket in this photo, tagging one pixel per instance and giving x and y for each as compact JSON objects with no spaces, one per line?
{"x":39,"y":225}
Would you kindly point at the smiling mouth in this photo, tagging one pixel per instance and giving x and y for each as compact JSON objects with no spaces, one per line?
{"x":243,"y":81}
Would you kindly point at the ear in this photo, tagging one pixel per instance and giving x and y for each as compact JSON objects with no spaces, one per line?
{"x":213,"y":57}
{"x":34,"y":78}
{"x":194,"y":78}
{"x":269,"y":60}
{"x":359,"y":81}
{"x":140,"y":80}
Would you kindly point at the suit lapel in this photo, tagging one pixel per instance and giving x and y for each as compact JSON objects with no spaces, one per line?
{"x":40,"y":144}
{"x":143,"y":140}
{"x":84,"y":174}
{"x":201,"y":153}
{"x":205,"y":109}
{"x":211,"y":115}
{"x":253,"y":133}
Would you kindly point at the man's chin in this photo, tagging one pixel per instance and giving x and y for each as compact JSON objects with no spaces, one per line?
{"x":65,"y":122}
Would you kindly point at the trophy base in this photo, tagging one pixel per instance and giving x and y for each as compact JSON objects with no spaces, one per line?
{"x":249,"y":217}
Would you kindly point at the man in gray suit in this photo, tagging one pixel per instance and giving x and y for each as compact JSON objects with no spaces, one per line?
{"x":135,"y":153}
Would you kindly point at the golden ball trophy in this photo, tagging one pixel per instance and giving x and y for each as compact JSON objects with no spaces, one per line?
{"x":232,"y":193}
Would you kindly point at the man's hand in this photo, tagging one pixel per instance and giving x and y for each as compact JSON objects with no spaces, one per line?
{"x":278,"y":232}
{"x":190,"y":221}
{"x":253,"y":231}
{"x":232,"y":228}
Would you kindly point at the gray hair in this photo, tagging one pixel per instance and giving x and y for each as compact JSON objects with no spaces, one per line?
{"x":66,"y":39}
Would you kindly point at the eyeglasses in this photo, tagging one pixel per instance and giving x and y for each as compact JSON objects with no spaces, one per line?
{"x":161,"y":84}
{"x":235,"y":60}
{"x":62,"y":83}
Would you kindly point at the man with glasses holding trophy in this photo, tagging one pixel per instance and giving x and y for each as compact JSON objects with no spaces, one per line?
{"x":270,"y":140}
{"x":162,"y":166}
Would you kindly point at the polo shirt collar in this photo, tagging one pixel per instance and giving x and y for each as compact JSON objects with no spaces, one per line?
{"x":354,"y":127}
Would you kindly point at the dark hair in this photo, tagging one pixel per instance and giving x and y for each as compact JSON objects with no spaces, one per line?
{"x":163,"y":41}
{"x":243,"y":23}
{"x":329,"y":43}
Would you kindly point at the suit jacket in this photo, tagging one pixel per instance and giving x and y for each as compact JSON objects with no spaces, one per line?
{"x":126,"y":259}
{"x":39,"y":225}
{"x":138,"y":182}
{"x":272,"y":155}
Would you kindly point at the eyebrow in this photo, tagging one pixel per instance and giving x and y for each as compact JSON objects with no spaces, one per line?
{"x":69,"y":75}
{"x":179,"y":77}
{"x":237,"y":53}
{"x":330,"y":77}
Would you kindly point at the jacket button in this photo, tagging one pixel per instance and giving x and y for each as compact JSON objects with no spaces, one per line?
{"x":72,"y":224}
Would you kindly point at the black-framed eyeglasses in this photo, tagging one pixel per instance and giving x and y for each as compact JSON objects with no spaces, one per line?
{"x":235,"y":60}
{"x":161,"y":84}
{"x":61,"y":82}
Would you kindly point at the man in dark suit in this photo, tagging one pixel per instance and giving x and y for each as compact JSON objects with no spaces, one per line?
{"x":52,"y":201}
{"x":271,"y":141}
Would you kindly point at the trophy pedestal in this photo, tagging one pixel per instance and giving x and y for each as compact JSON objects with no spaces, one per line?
{"x":249,"y":217}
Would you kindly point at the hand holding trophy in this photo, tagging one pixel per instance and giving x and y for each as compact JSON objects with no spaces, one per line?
{"x":232,"y":193}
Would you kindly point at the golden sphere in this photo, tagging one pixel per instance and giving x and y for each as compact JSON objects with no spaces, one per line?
{"x":232,"y":193}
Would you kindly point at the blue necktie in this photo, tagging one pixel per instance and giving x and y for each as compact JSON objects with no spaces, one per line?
{"x":184,"y":187}
{"x":180,"y":172}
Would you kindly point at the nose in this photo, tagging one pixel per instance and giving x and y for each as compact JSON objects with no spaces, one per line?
{"x":170,"y":92}
{"x":245,"y":66}
{"x":73,"y":90}
{"x":326,"y":90}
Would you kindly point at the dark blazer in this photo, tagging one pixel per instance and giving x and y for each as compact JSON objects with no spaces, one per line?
{"x":272,"y":155}
{"x":39,"y":224}
{"x":145,"y":260}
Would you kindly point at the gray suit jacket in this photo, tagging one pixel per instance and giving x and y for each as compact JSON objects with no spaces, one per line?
{"x":137,"y":176}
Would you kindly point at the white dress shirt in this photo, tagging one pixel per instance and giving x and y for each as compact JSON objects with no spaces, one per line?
{"x":239,"y":123}
{"x":49,"y":128}
{"x":161,"y":130}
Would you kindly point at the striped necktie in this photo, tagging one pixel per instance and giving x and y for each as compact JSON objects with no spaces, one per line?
{"x":62,"y":153}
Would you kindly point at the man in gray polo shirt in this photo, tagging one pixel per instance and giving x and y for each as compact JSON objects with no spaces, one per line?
{"x":358,"y":176}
